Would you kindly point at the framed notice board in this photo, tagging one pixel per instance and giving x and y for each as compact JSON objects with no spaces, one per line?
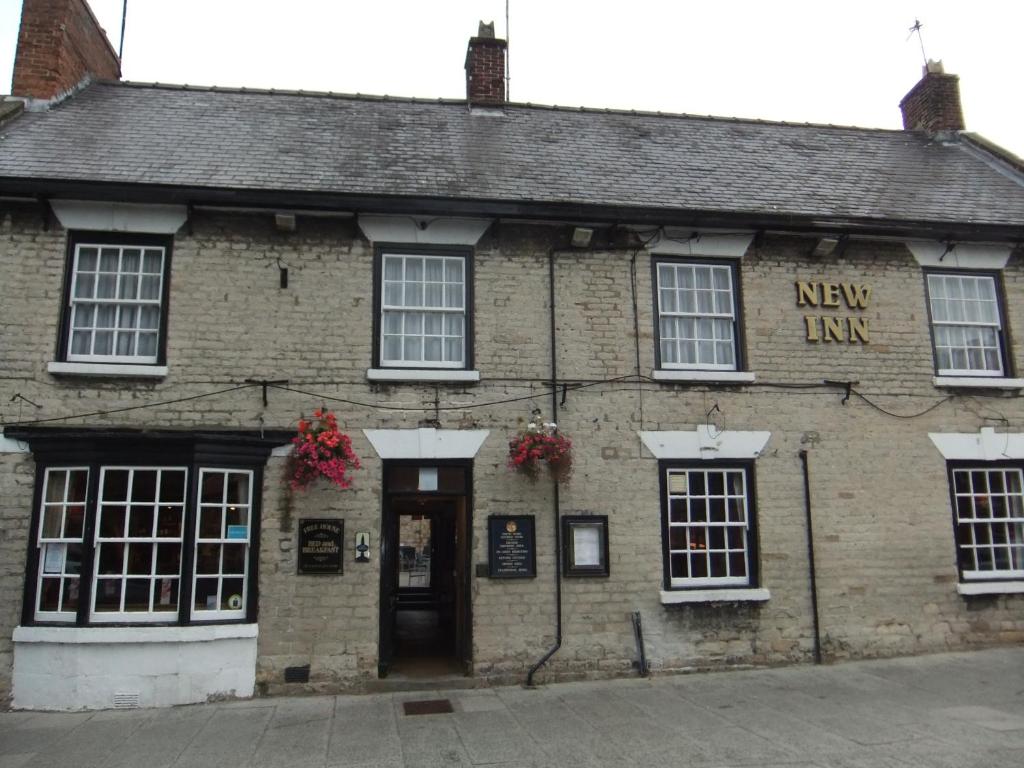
{"x":511,"y":547}
{"x":321,"y":545}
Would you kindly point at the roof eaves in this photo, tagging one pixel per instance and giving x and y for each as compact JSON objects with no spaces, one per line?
{"x":1003,"y":160}
{"x":524,"y":209}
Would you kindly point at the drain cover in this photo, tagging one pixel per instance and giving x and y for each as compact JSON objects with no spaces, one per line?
{"x":428,"y":707}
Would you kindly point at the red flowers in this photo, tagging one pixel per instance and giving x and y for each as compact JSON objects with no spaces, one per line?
{"x":321,"y":450}
{"x":541,"y":445}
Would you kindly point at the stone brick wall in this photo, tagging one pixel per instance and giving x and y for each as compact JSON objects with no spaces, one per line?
{"x":882,"y":521}
{"x":60,"y":43}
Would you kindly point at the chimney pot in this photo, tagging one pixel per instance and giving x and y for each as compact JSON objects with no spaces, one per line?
{"x":485,"y":68}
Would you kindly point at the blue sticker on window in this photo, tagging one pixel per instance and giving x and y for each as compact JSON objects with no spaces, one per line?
{"x":238,"y":531}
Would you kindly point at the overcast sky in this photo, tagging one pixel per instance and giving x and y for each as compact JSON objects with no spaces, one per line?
{"x":846,"y":63}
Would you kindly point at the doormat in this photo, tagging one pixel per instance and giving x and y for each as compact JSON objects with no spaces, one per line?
{"x":428,"y":707}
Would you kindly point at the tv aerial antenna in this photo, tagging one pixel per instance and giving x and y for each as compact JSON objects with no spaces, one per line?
{"x":918,"y":26}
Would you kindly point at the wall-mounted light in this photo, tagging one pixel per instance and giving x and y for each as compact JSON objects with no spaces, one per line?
{"x":581,"y":237}
{"x":284,"y":222}
{"x":825,"y":246}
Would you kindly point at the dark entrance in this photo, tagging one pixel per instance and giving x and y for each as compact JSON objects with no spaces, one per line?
{"x":424,"y":590}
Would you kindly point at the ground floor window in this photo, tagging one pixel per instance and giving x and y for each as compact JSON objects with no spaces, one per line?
{"x":988,"y":510}
{"x":119,"y":539}
{"x":707,"y":525}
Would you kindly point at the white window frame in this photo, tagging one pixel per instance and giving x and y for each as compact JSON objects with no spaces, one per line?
{"x":43,"y":543}
{"x":224,"y":505}
{"x":745,"y":525}
{"x":966,"y":495}
{"x":992,"y":279}
{"x":120,"y":617}
{"x":732,"y":316}
{"x":75,"y":302}
{"x":405,"y":309}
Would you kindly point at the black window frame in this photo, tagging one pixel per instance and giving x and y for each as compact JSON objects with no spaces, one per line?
{"x":739,"y":336}
{"x":569,"y":567}
{"x":980,"y":466}
{"x":467,"y":254}
{"x":1005,"y":341}
{"x":84,"y":237}
{"x":92,"y":449}
{"x":748,"y":466}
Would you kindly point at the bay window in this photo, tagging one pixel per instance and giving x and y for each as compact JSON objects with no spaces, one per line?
{"x":144,"y":528}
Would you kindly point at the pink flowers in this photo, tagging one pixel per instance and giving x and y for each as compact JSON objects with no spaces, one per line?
{"x":541,"y":445}
{"x":321,"y":450}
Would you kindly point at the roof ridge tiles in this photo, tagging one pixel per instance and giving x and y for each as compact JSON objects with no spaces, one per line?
{"x":343,"y":96}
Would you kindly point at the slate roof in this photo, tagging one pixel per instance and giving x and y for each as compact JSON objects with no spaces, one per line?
{"x":211,"y":138}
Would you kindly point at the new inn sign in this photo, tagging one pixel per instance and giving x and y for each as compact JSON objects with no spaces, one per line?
{"x":835,"y":327}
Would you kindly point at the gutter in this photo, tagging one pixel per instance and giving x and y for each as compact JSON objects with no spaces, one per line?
{"x":275,"y":199}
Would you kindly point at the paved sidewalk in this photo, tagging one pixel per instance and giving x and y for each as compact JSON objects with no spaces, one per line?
{"x":957,"y":710}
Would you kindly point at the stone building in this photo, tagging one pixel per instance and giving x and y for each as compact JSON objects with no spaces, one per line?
{"x":786,"y":356}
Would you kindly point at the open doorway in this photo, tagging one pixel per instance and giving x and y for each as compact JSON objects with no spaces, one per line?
{"x":424,"y":614}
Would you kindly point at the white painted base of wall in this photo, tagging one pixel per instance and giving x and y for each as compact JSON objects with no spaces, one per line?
{"x":73,"y":668}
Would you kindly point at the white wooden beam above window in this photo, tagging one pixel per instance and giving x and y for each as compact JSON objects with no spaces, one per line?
{"x":119,"y":217}
{"x":694,"y":241}
{"x":705,"y":442}
{"x":932,"y":253}
{"x":987,"y":445}
{"x":423,"y":230}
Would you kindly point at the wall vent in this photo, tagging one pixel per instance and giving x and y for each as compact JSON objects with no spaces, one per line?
{"x":296,"y":674}
{"x":126,"y":700}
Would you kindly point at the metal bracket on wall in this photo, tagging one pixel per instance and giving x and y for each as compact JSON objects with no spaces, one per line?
{"x":266,"y":383}
{"x":847,"y":385}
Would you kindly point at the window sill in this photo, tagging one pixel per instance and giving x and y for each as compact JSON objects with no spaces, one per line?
{"x":721,"y":377}
{"x":421,"y":374}
{"x":751,"y":595}
{"x":978,"y":382}
{"x":108,"y":369}
{"x":990,"y":588}
{"x":134,"y":634}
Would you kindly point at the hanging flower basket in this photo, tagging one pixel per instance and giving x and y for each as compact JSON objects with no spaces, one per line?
{"x":541,"y":446}
{"x":320,"y":450}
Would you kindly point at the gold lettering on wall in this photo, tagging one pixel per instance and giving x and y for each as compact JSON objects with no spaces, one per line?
{"x":831,"y":328}
{"x":858,"y":329}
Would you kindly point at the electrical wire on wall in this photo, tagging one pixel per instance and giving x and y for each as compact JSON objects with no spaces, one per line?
{"x":542,"y":389}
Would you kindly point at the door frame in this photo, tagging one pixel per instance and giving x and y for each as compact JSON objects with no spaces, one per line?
{"x":389,"y":559}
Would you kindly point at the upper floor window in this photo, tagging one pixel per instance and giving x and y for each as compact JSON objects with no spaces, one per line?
{"x":424,"y":318}
{"x":697,"y":316}
{"x":116,"y":299}
{"x":967,"y":324}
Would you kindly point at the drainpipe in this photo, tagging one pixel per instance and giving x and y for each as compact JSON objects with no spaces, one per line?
{"x":555,"y":504}
{"x":810,"y":556}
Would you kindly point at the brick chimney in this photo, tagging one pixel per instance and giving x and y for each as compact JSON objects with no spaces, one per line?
{"x":60,"y":46}
{"x":933,"y":105}
{"x":485,"y":68}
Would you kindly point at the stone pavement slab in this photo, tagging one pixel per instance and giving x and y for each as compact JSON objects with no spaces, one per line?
{"x":955,"y":710}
